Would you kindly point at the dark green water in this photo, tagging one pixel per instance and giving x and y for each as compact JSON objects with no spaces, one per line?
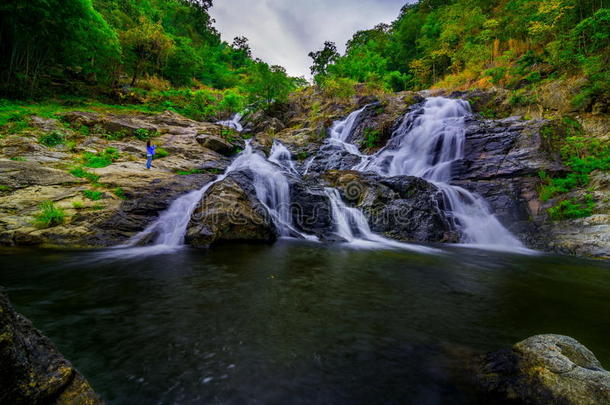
{"x":299,"y":323}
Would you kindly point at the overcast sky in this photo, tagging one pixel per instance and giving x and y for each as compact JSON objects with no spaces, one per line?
{"x":283,"y":32}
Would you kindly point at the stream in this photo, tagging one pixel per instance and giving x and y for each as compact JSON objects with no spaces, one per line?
{"x":300,"y":322}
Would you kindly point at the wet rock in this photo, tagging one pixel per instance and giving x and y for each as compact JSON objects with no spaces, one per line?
{"x":230,"y":211}
{"x":33,"y":371}
{"x":216,"y":143}
{"x":545,"y":369}
{"x":311,"y":209}
{"x":404,"y":208}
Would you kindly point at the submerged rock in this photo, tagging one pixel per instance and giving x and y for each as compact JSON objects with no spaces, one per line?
{"x":230,"y":211}
{"x":32,"y":369}
{"x":545,"y":369}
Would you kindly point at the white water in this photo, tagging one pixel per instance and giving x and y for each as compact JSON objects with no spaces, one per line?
{"x":281,"y":156}
{"x":272,"y":190}
{"x":234,"y":122}
{"x":341,"y":130}
{"x":426,"y":145}
{"x":351,"y":225}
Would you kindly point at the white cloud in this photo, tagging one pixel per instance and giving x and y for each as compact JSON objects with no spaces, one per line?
{"x":283,"y":32}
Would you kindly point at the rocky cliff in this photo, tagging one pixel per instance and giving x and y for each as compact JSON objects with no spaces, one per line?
{"x":107,"y":205}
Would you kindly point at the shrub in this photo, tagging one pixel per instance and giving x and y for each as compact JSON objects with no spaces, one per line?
{"x":77,"y":205}
{"x":51,"y":139}
{"x":83,"y":174}
{"x":103,"y":159}
{"x":4,"y":188}
{"x":119,"y":192}
{"x":93,"y":195}
{"x":340,"y":88}
{"x":160,"y":153}
{"x":571,"y":209}
{"x":19,"y":159}
{"x":189,"y":172}
{"x":143,"y":134}
{"x":49,"y":215}
{"x":371,"y":137}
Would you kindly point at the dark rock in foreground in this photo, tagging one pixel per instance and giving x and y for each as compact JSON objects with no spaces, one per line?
{"x":545,"y":369}
{"x":32,"y":371}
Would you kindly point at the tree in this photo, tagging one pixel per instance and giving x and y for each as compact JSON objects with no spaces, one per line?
{"x":323,"y":58}
{"x":146,"y":46}
{"x":241,"y":44}
{"x":269,"y":85}
{"x":36,"y":35}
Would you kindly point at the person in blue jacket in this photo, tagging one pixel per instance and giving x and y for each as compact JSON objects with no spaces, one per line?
{"x":150,"y":153}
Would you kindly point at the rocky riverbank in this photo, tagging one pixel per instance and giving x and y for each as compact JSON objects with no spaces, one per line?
{"x":106,"y":206}
{"x":33,"y":371}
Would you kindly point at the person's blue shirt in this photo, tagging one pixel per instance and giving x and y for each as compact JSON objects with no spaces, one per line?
{"x":150,"y":150}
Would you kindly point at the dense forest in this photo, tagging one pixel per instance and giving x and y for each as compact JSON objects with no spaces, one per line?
{"x":515,"y":44}
{"x":159,"y":52}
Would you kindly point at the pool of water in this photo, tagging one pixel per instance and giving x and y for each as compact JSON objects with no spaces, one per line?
{"x":299,"y":323}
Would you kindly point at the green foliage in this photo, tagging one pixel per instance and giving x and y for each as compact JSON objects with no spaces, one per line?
{"x":19,"y":159}
{"x":338,"y":88}
{"x":77,"y":205}
{"x":51,"y":139}
{"x":371,"y":137}
{"x":143,"y":134}
{"x":93,"y":195}
{"x":49,"y":215}
{"x":322,"y":58}
{"x":146,"y":45}
{"x":189,"y":172}
{"x":83,"y":174}
{"x":4,"y":188}
{"x":473,"y":43}
{"x":39,"y":34}
{"x":571,"y":209}
{"x":160,"y":153}
{"x":553,"y":187}
{"x":119,"y":192}
{"x":102,"y":159}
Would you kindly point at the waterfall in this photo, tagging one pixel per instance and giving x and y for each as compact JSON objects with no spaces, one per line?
{"x":342,"y":129}
{"x":281,"y":156}
{"x":351,"y":225}
{"x":426,"y":144}
{"x":234,"y":123}
{"x":272,"y":190}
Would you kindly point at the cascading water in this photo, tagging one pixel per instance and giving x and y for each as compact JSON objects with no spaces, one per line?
{"x":351,"y":225}
{"x":272,"y":190}
{"x":427,"y":143}
{"x":281,"y":156}
{"x":234,"y":123}
{"x":341,"y":131}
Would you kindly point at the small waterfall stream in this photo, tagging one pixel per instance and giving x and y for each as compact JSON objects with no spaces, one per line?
{"x":272,"y":190}
{"x":234,"y":123}
{"x":426,"y":144}
{"x":281,"y":156}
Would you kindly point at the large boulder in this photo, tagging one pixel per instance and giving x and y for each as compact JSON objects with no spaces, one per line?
{"x":311,"y":209}
{"x":216,"y":143}
{"x":545,"y":369}
{"x":230,"y":211}
{"x":405,"y":208}
{"x":32,"y":369}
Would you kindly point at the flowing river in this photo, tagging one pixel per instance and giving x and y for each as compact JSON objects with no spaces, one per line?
{"x":300,"y":322}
